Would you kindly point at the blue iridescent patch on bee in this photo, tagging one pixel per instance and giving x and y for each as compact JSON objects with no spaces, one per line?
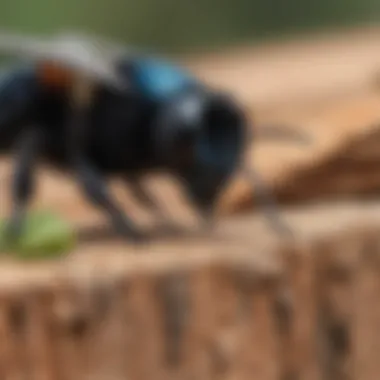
{"x":158,"y":79}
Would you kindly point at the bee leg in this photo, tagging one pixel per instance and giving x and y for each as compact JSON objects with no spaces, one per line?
{"x":96,"y":190}
{"x":145,"y":198}
{"x":205,"y":208}
{"x":23,"y":181}
{"x":207,"y":214}
{"x":141,"y":194}
{"x":268,"y":203}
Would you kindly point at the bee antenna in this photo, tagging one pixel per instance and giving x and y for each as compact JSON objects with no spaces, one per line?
{"x":267,"y":201}
{"x":276,"y":132}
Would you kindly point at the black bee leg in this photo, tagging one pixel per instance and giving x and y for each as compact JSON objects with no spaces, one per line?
{"x":205,"y":208}
{"x":96,"y":190}
{"x":207,"y":214}
{"x":23,"y":180}
{"x":141,"y":194}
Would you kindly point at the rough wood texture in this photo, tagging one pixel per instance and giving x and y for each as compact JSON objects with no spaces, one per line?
{"x":343,"y":163}
{"x":268,"y":308}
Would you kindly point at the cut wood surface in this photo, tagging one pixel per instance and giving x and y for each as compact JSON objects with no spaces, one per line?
{"x":238,"y":302}
{"x":241,"y":241}
{"x":342,"y":160}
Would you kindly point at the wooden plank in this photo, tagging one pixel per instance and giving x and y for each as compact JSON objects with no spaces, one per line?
{"x":366,"y":321}
{"x":260,"y":354}
{"x":145,"y":333}
{"x":42,"y":358}
{"x":303,"y":280}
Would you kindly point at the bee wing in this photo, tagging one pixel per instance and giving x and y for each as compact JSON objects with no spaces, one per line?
{"x":20,"y":45}
{"x":86,"y":57}
{"x":113,"y":48}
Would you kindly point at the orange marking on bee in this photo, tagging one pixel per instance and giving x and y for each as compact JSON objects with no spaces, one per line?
{"x":53,"y":75}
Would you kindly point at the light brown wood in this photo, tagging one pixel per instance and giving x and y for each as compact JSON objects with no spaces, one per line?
{"x":365,"y":328}
{"x":304,"y":283}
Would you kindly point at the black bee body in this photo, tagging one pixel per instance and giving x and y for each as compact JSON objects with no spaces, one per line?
{"x":167,"y":121}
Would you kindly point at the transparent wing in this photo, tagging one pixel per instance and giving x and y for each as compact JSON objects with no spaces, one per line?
{"x":86,"y":56}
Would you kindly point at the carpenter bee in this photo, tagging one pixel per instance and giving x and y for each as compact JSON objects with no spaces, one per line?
{"x":101,"y":113}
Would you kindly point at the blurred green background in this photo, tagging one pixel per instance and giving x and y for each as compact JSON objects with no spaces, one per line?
{"x":183,"y":25}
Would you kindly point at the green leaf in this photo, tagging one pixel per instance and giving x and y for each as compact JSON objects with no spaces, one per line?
{"x":45,"y":235}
